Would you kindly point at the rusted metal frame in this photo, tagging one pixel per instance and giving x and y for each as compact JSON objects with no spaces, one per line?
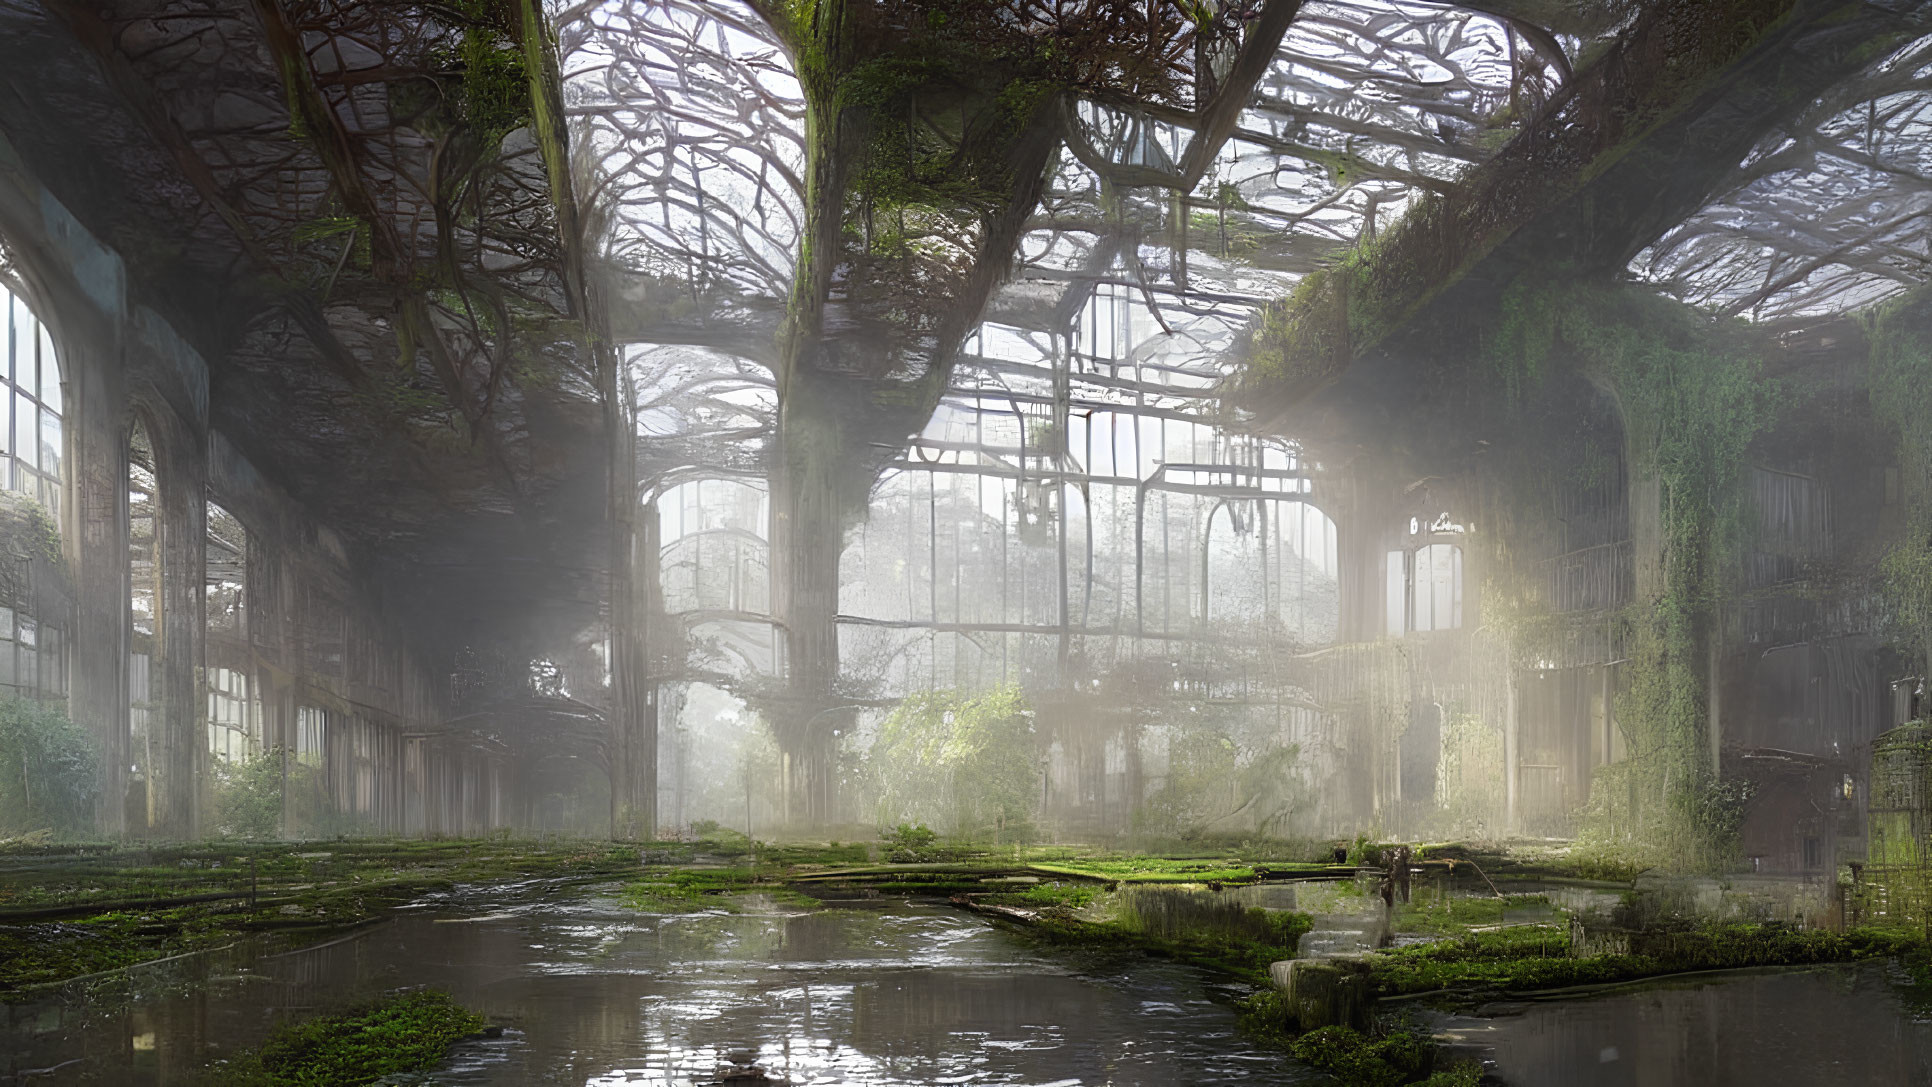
{"x":1054,"y":629}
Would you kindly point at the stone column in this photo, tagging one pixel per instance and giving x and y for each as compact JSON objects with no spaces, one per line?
{"x":180,"y":705}
{"x":95,"y":540}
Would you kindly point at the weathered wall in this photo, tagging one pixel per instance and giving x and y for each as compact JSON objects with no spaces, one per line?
{"x":319,"y":643}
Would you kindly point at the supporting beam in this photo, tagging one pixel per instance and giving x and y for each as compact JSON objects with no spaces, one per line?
{"x":94,"y":33}
{"x":1639,"y":140}
{"x":391,"y":260}
{"x":632,"y":714}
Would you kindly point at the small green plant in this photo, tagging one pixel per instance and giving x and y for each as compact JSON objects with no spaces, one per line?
{"x":909,"y":842}
{"x":1357,"y":1060}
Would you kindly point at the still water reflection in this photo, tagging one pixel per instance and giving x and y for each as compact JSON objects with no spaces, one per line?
{"x":595,"y":995}
{"x":1840,"y":1025}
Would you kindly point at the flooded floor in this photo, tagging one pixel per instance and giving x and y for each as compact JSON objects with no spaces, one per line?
{"x":1827,"y":1025}
{"x":593,"y":994}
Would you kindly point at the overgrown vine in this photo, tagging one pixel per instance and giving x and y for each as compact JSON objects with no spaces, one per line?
{"x":1693,"y":395}
{"x":1901,"y":371}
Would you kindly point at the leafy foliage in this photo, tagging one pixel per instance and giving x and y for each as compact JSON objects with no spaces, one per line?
{"x":248,"y":795}
{"x":968,"y":765}
{"x":1469,"y":778}
{"x":49,"y":769}
{"x":1901,"y":372}
{"x":1358,"y":1060}
{"x":910,"y":842}
{"x":1211,"y":781}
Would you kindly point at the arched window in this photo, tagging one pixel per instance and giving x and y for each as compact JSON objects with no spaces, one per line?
{"x":30,"y":425}
{"x":714,"y":549}
{"x":233,"y":713}
{"x":144,"y":620}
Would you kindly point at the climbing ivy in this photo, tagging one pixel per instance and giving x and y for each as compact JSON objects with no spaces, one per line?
{"x":1901,"y":372}
{"x":1693,"y":395}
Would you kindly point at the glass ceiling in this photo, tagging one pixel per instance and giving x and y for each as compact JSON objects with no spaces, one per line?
{"x":1075,"y":471}
{"x":1823,"y":217}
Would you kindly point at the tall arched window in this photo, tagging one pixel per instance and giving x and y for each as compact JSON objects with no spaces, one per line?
{"x":144,"y":620}
{"x":30,"y":431}
{"x":233,"y":713}
{"x":33,"y":660}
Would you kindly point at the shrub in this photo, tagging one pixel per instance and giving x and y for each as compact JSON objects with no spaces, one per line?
{"x":910,"y":842}
{"x":248,"y":796}
{"x":49,"y":770}
{"x":1357,"y":1060}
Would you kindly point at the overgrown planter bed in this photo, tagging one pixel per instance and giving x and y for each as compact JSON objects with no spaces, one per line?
{"x":83,"y":915}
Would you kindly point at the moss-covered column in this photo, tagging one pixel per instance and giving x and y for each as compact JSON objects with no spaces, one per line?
{"x":1692,"y":397}
{"x":97,"y":549}
{"x":1901,"y":375}
{"x":875,"y":320}
{"x":811,"y":503}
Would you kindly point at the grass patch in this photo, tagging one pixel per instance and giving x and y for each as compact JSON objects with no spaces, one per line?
{"x":1246,"y":957}
{"x":1529,"y":958}
{"x":126,"y":906}
{"x":1053,"y":895}
{"x":688,"y":890}
{"x":1390,"y":1060}
{"x":1453,"y":915}
{"x":411,"y":1032}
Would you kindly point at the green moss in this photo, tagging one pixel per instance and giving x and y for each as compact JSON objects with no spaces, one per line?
{"x":411,"y":1032}
{"x":1901,"y":371}
{"x":1359,"y":1060}
{"x":306,"y":891}
{"x":1693,"y":396}
{"x":1529,"y":958}
{"x":1455,"y":914}
{"x":687,"y":890}
{"x":1053,"y":896}
{"x":1201,"y":929}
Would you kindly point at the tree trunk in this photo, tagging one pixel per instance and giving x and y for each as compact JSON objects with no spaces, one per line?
{"x":812,"y":476}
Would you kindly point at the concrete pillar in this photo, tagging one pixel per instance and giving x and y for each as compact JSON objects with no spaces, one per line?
{"x":95,"y":537}
{"x":1512,"y":748}
{"x":178,"y":718}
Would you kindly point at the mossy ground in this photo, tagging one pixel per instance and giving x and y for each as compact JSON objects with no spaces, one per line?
{"x":1530,"y":958}
{"x":408,"y":1032}
{"x":117,"y":907}
{"x":76,"y":912}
